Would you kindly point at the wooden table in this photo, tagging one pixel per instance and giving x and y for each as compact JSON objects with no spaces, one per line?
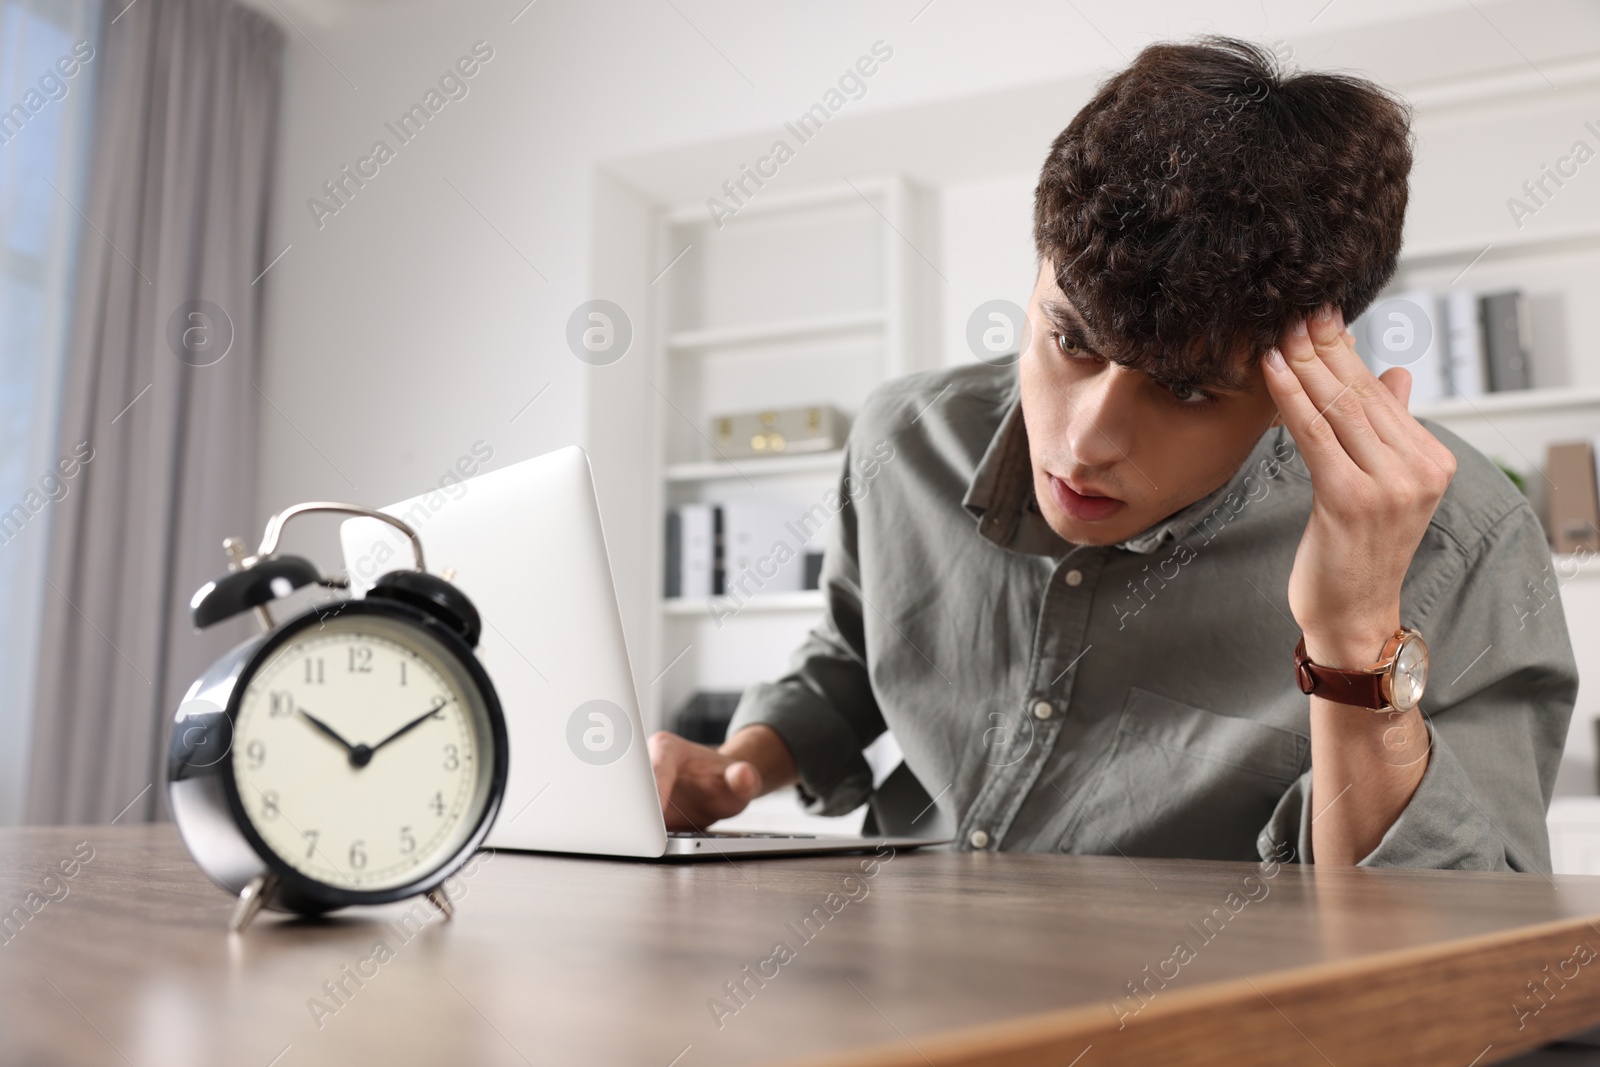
{"x":938,"y":957}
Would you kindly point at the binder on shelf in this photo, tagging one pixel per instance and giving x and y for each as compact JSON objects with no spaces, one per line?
{"x":1507,"y":337}
{"x":1407,"y":330}
{"x":719,"y":571}
{"x":1464,"y":360}
{"x":761,"y":555}
{"x":813,"y":577}
{"x":1572,"y":502}
{"x":672,"y":557}
{"x":690,"y":551}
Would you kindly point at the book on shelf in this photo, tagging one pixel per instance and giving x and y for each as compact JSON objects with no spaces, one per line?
{"x":738,"y":548}
{"x":761,"y":555}
{"x":1464,"y":345}
{"x":1407,"y":330}
{"x":1572,"y":501}
{"x":691,"y":551}
{"x":1455,"y":343}
{"x":1507,"y":340}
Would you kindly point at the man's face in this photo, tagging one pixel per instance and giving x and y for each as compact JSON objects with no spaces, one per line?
{"x":1115,"y":451}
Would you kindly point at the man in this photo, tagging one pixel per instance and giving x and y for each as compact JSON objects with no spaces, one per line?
{"x":1076,"y":589}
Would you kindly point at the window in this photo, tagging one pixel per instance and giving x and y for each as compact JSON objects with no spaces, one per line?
{"x":47,"y":67}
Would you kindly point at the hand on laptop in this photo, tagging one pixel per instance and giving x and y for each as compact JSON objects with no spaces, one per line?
{"x":698,"y":784}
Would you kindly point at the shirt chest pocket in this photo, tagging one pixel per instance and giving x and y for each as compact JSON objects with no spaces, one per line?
{"x":1182,"y":781}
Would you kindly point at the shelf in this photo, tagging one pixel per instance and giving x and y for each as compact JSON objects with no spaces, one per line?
{"x":1570,"y":566}
{"x":805,"y":600}
{"x":757,"y":467}
{"x":776,"y":332}
{"x":1509,"y":403}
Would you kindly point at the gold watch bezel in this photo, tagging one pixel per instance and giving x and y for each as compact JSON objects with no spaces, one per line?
{"x":1385,"y":667}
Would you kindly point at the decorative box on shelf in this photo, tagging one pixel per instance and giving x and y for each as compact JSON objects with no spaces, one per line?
{"x":780,"y":431}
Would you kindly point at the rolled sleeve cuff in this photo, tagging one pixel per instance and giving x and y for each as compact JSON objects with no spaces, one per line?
{"x":1442,"y":826}
{"x":834,"y":777}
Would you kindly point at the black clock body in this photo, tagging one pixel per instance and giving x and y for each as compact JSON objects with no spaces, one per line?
{"x":204,"y":793}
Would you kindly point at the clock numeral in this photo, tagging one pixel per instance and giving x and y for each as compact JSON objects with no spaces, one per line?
{"x":269,"y":804}
{"x":360,"y":660}
{"x":314,"y":671}
{"x":256,"y":753}
{"x":437,"y":803}
{"x":402,"y":672}
{"x":311,"y":841}
{"x":408,"y":844}
{"x":282,"y":704}
{"x":438,"y":708}
{"x":452,"y":758}
{"x":358,"y":854}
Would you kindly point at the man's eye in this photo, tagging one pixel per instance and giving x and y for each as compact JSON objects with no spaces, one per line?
{"x":1069,"y":347}
{"x":1188,"y":394}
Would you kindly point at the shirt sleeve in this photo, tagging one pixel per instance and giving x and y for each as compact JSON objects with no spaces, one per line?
{"x":824,"y":708}
{"x":1501,"y":688}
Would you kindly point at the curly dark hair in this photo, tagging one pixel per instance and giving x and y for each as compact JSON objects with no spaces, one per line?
{"x":1204,"y":200}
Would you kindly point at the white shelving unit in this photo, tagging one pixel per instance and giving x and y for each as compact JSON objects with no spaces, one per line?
{"x":807,"y":296}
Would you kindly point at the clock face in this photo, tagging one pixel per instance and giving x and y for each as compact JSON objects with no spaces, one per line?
{"x":362,"y":753}
{"x":1410,"y":673}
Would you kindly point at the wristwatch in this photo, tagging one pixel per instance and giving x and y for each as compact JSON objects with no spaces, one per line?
{"x":1394,"y":683}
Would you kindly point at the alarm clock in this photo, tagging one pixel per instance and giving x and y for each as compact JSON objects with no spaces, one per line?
{"x":353,"y":754}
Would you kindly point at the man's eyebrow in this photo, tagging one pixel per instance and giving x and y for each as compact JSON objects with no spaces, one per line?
{"x":1066,"y":318}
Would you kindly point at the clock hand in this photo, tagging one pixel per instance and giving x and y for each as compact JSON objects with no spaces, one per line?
{"x":412,"y":725}
{"x":359,"y":754}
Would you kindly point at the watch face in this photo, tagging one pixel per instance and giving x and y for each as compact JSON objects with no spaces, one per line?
{"x":1410,"y":673}
{"x":363,"y":753}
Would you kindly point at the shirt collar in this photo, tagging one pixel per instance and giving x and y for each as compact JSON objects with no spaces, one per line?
{"x":1001,"y":497}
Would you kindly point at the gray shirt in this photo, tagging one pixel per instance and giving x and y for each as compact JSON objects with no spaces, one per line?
{"x":1140,"y":698}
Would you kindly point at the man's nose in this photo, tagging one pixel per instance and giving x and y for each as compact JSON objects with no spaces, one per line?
{"x":1101,"y":418}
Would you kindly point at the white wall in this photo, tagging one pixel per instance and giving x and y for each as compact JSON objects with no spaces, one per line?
{"x":988,"y":244}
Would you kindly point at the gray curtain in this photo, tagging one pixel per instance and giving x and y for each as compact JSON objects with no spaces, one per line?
{"x":177,"y":210}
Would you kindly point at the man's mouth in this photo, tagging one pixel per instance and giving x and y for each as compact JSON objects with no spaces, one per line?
{"x":1083,"y":504}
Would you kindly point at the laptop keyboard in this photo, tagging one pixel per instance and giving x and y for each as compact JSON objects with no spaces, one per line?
{"x":704,"y":834}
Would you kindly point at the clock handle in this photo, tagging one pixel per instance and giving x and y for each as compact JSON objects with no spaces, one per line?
{"x":274,"y":530}
{"x":252,"y":898}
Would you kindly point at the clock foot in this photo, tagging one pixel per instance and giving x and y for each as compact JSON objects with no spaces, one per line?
{"x":437,"y":898}
{"x":252,"y":898}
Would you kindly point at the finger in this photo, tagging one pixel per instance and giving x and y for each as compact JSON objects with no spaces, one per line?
{"x":744,"y":781}
{"x":1312,"y":434}
{"x":1335,"y":400}
{"x":1398,"y":379}
{"x":1328,"y":335}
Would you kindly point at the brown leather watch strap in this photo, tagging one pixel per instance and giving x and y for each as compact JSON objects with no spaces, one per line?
{"x":1359,"y":689}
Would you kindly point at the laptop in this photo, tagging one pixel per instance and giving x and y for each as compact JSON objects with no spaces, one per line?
{"x":526,"y":544}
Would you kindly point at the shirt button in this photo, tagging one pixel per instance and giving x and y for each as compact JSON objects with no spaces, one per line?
{"x":1043,"y":710}
{"x":979,"y":839}
{"x":1074,"y":577}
